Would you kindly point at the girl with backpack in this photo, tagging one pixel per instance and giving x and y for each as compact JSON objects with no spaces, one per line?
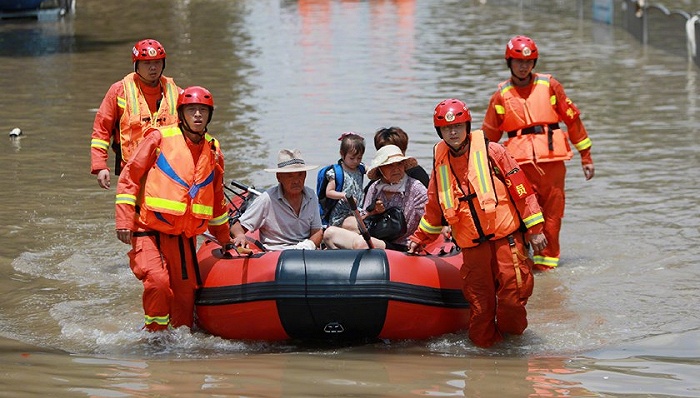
{"x":344,"y":177}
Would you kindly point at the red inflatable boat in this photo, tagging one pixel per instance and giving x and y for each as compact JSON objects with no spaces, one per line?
{"x":339,"y":295}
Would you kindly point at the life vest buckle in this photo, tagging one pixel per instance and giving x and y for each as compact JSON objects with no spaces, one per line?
{"x":483,"y":238}
{"x":467,"y":197}
{"x":538,"y":129}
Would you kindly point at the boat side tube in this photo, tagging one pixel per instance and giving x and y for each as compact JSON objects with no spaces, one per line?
{"x":341,"y":295}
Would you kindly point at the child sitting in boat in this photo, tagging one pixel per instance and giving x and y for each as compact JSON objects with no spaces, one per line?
{"x":394,"y":190}
{"x":346,"y":177}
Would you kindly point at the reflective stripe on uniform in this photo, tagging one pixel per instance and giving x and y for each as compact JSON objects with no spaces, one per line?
{"x":482,"y":168}
{"x":130,"y":90}
{"x":172,"y":95}
{"x":546,"y":261}
{"x":165,"y":204}
{"x":222,"y":219}
{"x":541,"y":80}
{"x":161,"y":320}
{"x":444,"y":181}
{"x":202,"y":209}
{"x":533,"y":219}
{"x":170,"y":132}
{"x":584,"y":144}
{"x":506,"y":87}
{"x":125,"y":199}
{"x":429,"y":229}
{"x":99,"y":144}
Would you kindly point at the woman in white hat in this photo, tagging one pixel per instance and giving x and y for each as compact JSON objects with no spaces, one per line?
{"x":287,"y":214}
{"x":395,"y":189}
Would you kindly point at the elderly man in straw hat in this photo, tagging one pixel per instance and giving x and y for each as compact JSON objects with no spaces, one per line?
{"x":394,"y":188}
{"x":287,"y":214}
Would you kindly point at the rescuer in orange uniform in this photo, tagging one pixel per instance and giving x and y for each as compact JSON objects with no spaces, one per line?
{"x":170,"y":191}
{"x":142,"y":99}
{"x":483,"y":195}
{"x":528,"y":107}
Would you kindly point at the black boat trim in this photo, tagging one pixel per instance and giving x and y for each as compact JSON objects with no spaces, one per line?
{"x":264,"y":291}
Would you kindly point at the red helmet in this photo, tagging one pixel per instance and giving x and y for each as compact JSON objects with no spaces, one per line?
{"x":451,"y":111}
{"x":521,"y":47}
{"x":195,"y":95}
{"x":147,"y":49}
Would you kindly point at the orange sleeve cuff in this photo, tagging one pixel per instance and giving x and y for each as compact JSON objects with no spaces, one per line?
{"x":124,"y":215}
{"x":422,"y":238}
{"x":536,"y":229}
{"x":222,"y":233}
{"x":586,"y":157}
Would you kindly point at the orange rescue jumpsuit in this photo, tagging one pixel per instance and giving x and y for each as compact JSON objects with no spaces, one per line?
{"x":155,"y":106}
{"x":530,"y":116}
{"x":166,"y":214}
{"x":496,"y":271}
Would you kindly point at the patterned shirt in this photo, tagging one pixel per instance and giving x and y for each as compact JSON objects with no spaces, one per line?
{"x":412,"y":201}
{"x":352,"y":184}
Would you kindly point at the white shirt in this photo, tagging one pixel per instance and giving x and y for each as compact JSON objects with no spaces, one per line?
{"x":280,"y":227}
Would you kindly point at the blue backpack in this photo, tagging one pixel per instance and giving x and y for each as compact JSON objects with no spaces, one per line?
{"x":326,"y":205}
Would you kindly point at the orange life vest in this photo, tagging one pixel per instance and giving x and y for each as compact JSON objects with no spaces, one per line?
{"x":479,"y":209}
{"x":179,"y":195}
{"x":137,"y":117}
{"x":532,"y":123}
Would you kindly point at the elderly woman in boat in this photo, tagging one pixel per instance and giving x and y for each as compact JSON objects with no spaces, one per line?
{"x":394,"y":189}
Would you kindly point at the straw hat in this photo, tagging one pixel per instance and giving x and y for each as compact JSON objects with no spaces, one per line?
{"x":290,"y":161}
{"x":389,"y":154}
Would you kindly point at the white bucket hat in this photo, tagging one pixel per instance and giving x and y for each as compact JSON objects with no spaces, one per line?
{"x":389,"y":154}
{"x":290,"y":161}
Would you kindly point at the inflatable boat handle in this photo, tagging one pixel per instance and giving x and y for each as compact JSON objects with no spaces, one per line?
{"x":240,"y":250}
{"x":360,"y":223}
{"x":245,"y":188}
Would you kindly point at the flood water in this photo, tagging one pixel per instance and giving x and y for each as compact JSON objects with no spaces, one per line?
{"x":618,"y":318}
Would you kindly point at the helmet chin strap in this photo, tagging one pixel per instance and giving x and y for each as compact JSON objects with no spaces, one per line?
{"x":519,"y":79}
{"x":462,"y":145}
{"x":187,"y":128}
{"x":136,"y":69}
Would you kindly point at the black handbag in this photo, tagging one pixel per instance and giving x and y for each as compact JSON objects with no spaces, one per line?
{"x":388,"y":226}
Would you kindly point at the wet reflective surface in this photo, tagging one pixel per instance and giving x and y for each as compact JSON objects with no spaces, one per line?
{"x":618,"y":317}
